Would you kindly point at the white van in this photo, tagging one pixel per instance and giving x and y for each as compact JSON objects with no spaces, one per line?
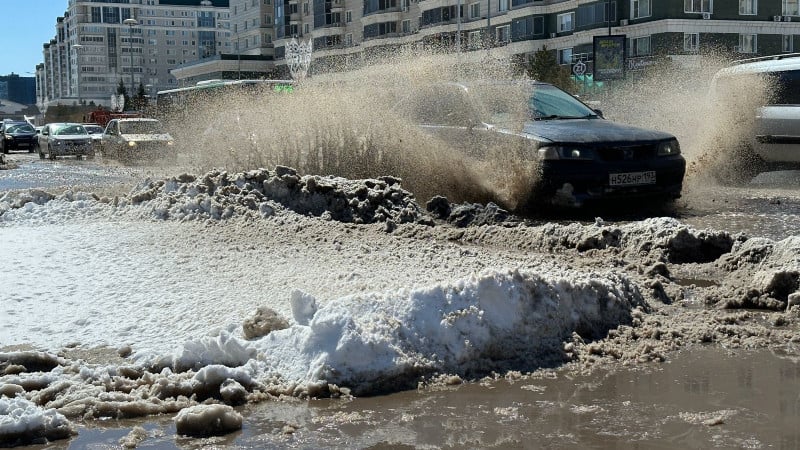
{"x":775,"y":141}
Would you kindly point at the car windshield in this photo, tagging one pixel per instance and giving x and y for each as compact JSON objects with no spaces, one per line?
{"x":140,"y":127}
{"x":512,"y":103}
{"x":20,"y":128}
{"x":550,"y":102}
{"x":69,"y":129}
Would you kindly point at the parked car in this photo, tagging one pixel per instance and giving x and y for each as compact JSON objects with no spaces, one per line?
{"x":134,"y":139}
{"x":773,"y":139}
{"x":580,"y":156}
{"x":64,"y":139}
{"x":17,"y":135}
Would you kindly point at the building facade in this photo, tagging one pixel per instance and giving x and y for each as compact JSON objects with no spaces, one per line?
{"x":176,"y":43}
{"x":100,"y":43}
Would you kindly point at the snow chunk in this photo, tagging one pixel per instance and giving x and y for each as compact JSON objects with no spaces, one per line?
{"x":22,"y":422}
{"x":208,"y":420}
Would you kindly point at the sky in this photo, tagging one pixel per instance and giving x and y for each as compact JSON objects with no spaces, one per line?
{"x":25,"y":25}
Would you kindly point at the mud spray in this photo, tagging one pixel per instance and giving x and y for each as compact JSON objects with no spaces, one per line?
{"x":347,"y":124}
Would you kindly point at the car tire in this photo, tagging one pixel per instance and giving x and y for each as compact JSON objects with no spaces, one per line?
{"x":50,"y":153}
{"x":41,"y":154}
{"x":5,"y":149}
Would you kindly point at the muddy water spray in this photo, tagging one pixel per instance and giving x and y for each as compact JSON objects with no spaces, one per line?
{"x":345,"y":124}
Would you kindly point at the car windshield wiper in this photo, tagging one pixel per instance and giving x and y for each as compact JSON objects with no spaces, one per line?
{"x":558,"y":117}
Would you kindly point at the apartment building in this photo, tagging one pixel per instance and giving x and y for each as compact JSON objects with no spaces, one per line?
{"x":99,"y":43}
{"x":176,"y":43}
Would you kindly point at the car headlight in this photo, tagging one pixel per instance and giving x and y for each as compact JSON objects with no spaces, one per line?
{"x":9,"y":137}
{"x":131,"y":143}
{"x":57,"y":142}
{"x":170,"y":143}
{"x":669,"y":148}
{"x":554,"y":152}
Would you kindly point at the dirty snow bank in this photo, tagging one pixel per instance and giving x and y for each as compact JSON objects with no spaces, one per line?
{"x":367,"y":343}
{"x":23,"y":422}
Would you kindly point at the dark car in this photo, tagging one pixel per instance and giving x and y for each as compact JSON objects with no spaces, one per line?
{"x":579,"y":156}
{"x":16,"y":135}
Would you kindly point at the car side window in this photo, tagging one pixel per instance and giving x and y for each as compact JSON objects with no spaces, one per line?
{"x":787,"y":88}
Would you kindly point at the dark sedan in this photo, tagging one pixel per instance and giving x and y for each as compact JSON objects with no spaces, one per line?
{"x":17,"y":135}
{"x":579,"y":156}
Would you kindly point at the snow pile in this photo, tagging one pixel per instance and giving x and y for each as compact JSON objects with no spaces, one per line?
{"x":22,"y":423}
{"x":382,"y":342}
{"x":218,"y":195}
{"x":367,"y":343}
{"x":660,"y":238}
{"x":764,"y":273}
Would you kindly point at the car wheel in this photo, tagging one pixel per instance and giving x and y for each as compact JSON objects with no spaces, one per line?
{"x":5,"y":149}
{"x":41,"y":154}
{"x":50,"y":153}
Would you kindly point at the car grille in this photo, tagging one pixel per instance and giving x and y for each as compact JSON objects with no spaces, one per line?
{"x":627,"y":153}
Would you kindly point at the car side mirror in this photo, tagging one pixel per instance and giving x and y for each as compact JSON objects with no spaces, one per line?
{"x":599,"y":112}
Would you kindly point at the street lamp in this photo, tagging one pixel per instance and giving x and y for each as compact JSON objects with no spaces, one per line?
{"x":130,"y":23}
{"x":78,"y":48}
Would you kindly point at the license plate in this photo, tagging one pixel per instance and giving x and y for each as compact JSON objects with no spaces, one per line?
{"x":632,"y":178}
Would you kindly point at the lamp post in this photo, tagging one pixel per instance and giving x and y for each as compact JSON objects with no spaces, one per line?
{"x":78,"y":48}
{"x":130,"y":23}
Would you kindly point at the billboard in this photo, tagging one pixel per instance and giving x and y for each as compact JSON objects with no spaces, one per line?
{"x":609,"y":57}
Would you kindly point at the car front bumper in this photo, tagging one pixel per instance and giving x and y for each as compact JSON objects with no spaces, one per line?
{"x":573,"y":183}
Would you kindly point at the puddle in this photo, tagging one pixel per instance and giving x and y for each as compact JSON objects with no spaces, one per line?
{"x":706,"y":398}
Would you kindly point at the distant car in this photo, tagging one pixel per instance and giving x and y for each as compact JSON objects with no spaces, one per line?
{"x":136,"y":139}
{"x":17,"y":135}
{"x":580,"y":157}
{"x":773,"y":141}
{"x":64,"y":139}
{"x":96,"y":133}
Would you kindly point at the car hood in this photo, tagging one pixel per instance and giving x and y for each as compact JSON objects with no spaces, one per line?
{"x":23,"y":133}
{"x":587,"y":131}
{"x":70,"y":137}
{"x":147,"y":137}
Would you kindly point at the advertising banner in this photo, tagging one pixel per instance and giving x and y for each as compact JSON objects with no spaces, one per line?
{"x":609,"y":57}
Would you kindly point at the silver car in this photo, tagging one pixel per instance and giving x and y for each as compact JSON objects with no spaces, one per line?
{"x":772,"y":141}
{"x":64,"y":139}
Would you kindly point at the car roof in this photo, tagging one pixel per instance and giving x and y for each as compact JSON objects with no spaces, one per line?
{"x":136,"y":119}
{"x":775,"y":63}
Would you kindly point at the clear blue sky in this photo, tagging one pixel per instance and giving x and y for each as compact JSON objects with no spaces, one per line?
{"x":25,"y":25}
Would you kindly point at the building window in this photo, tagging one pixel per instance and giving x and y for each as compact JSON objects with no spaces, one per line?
{"x":306,"y":28}
{"x":348,"y":39}
{"x":691,"y":42}
{"x":566,"y":22}
{"x":407,"y":26}
{"x":748,"y":7}
{"x":640,"y":8}
{"x":475,"y":10}
{"x":748,"y":43}
{"x":503,"y":34}
{"x":474,"y":39}
{"x":502,"y":5}
{"x":787,"y":45}
{"x":791,"y":8}
{"x":565,"y":56}
{"x":639,"y":46}
{"x":698,"y":6}
{"x":348,"y":16}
